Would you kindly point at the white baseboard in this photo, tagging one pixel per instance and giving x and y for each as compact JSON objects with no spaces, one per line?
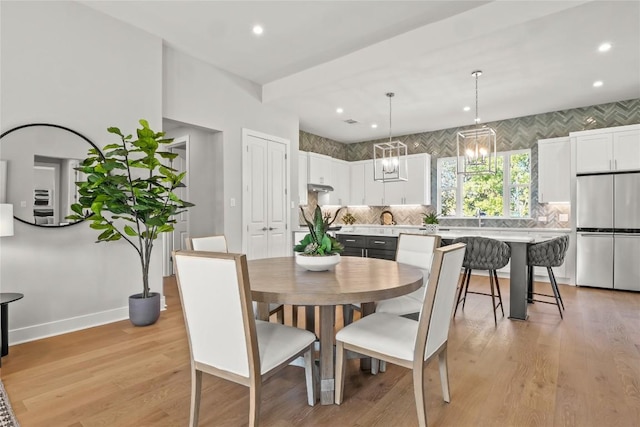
{"x":64,"y":326}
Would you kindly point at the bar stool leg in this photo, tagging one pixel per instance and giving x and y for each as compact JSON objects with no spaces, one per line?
{"x":495,"y":274}
{"x":555,"y":282}
{"x":493,"y":298}
{"x":554,"y":288}
{"x":462,"y":282}
{"x":466,"y":288}
{"x":530,"y":284}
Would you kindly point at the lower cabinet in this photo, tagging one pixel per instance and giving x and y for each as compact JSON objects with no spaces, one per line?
{"x":382,"y":247}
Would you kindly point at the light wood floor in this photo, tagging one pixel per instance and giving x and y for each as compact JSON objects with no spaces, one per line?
{"x":581,"y":371}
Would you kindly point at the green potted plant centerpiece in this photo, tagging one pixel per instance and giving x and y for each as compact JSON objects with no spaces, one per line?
{"x":430,"y":221}
{"x":129,"y":195}
{"x":318,"y":250}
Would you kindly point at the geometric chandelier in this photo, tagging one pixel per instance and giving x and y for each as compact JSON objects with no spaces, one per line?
{"x":390,"y":158}
{"x":477,"y":147}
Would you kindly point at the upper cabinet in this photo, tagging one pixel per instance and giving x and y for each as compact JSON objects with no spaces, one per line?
{"x":303,"y":171}
{"x":356,"y":184}
{"x":417,"y":189}
{"x":340,"y":177}
{"x":608,"y":150}
{"x":554,"y":171}
{"x":320,"y":169}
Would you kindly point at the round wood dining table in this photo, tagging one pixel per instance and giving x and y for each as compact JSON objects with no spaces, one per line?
{"x":353,"y":280}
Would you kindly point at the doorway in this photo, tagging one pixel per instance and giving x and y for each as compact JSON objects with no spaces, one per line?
{"x":176,"y":239}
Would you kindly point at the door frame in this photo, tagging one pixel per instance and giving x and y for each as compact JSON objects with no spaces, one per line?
{"x":246,"y":133}
{"x":167,"y":238}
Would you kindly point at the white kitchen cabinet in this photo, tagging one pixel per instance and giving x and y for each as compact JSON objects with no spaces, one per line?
{"x":303,"y":172}
{"x":373,"y":190}
{"x":554,"y":171}
{"x":356,"y":184}
{"x":608,"y":150}
{"x":319,"y":169}
{"x":626,"y":150}
{"x":417,"y":189}
{"x":340,"y":181}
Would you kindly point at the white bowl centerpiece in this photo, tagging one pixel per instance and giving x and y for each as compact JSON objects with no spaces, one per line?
{"x":318,"y":250}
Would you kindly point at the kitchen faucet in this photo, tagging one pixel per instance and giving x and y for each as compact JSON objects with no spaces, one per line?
{"x":478,"y":212}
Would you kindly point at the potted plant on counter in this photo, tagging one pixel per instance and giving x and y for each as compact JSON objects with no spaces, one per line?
{"x":430,"y":221}
{"x":318,"y":250}
{"x":129,"y":195}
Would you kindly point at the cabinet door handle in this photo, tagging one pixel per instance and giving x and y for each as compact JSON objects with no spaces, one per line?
{"x":264,"y":228}
{"x":609,"y":164}
{"x":350,"y":240}
{"x":271,"y":228}
{"x":615,"y":164}
{"x":378,"y":242}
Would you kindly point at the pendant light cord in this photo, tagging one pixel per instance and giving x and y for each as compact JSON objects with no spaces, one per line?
{"x":390,"y":95}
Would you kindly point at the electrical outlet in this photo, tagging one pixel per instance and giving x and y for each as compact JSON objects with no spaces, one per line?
{"x":563,"y":217}
{"x":232,"y":202}
{"x":542,"y":219}
{"x":23,"y":204}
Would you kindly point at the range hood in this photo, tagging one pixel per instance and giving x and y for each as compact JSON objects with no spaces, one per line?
{"x":319,"y":188}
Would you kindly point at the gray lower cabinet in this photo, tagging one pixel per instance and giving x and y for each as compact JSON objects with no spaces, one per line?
{"x":382,"y":247}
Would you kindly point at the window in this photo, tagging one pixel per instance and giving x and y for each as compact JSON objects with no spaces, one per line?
{"x":505,"y":194}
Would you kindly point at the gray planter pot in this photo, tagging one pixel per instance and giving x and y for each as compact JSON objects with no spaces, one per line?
{"x":144,"y":311}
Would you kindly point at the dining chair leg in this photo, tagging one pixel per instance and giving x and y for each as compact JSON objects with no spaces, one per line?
{"x":310,"y":376}
{"x":444,"y":374}
{"x":294,"y":316}
{"x":493,"y":299}
{"x":340,"y":372}
{"x":495,"y":275}
{"x":347,"y":314}
{"x":254,"y":401}
{"x":196,"y":391}
{"x":418,"y":391}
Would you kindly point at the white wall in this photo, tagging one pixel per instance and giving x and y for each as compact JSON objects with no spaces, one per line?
{"x":64,"y":63}
{"x":200,"y":94}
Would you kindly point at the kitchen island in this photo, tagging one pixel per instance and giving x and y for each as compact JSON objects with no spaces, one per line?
{"x":518,"y":240}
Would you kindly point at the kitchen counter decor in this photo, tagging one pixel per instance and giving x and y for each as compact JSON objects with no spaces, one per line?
{"x":318,"y":250}
{"x":430,"y":221}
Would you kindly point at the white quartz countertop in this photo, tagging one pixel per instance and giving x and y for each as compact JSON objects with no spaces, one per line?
{"x":453,"y":232}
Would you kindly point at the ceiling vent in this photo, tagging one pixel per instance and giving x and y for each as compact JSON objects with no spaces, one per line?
{"x":351,"y":121}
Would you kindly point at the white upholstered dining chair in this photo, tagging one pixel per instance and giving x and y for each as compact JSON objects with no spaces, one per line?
{"x":225,"y":339}
{"x":405,"y":342}
{"x":417,"y":251}
{"x":218,"y":243}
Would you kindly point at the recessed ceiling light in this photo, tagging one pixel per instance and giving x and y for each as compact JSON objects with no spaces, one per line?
{"x":597,"y":83}
{"x":604,"y":47}
{"x":374,"y":125}
{"x":339,"y":110}
{"x":467,"y":108}
{"x":257,"y":30}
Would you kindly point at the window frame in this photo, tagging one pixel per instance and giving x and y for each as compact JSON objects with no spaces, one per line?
{"x":507,"y":185}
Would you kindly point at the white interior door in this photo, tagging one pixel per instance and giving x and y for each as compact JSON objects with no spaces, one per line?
{"x":176,"y":239}
{"x":266,"y":215}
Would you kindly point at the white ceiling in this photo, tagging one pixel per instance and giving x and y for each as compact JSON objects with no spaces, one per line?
{"x":315,"y":56}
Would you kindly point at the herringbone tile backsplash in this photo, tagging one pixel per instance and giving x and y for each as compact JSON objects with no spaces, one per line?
{"x":512,"y":134}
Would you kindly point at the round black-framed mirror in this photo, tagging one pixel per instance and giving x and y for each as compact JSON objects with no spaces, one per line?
{"x":37,"y":174}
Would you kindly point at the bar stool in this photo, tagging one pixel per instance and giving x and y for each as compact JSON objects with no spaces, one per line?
{"x":547,"y":254}
{"x":483,"y":254}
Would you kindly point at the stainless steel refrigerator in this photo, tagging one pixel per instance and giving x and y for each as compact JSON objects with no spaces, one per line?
{"x":608,"y":231}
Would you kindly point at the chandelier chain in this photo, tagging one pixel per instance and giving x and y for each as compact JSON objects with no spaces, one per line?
{"x":390,"y":95}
